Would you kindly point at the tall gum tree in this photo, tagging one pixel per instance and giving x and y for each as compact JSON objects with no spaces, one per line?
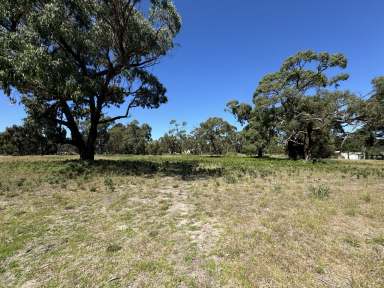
{"x":71,"y":60}
{"x":299,"y":103}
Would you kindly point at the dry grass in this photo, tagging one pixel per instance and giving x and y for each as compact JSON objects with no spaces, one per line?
{"x":190,"y":222}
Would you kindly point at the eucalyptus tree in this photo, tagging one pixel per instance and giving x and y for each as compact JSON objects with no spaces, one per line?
{"x":320,"y":119}
{"x":72,"y":60}
{"x":215,"y":135}
{"x":130,"y":139}
{"x":32,"y":138}
{"x":174,"y":140}
{"x":259,"y":127}
{"x":299,"y":102}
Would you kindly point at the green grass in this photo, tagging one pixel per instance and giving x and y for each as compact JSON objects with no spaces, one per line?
{"x":190,"y":221}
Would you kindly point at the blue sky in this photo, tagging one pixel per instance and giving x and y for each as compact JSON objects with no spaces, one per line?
{"x":226,"y":47}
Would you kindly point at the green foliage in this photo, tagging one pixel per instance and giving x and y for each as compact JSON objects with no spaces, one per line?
{"x":70,"y":60}
{"x":215,"y":136}
{"x":259,"y":131}
{"x":108,"y":182}
{"x":294,"y":105}
{"x":175,"y":140}
{"x":300,"y":115}
{"x":130,"y":139}
{"x":34,"y":137}
{"x":373,"y":110}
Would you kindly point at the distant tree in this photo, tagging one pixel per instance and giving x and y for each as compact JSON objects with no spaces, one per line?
{"x":130,"y":139}
{"x":32,"y":138}
{"x":138,"y":137}
{"x":73,"y":59}
{"x":215,"y":135}
{"x":116,"y":135}
{"x":11,"y":141}
{"x":357,"y":141}
{"x":154,"y":148}
{"x":260,"y":126}
{"x":175,"y":139}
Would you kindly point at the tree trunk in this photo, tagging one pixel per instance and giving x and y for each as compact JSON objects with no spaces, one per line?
{"x":295,"y":151}
{"x":86,"y":149}
{"x":89,"y":150}
{"x":308,"y":144}
{"x":291,"y":150}
{"x":260,"y":152}
{"x":215,"y":150}
{"x":87,"y":154}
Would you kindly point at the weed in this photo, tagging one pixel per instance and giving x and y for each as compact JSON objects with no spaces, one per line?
{"x":108,"y":182}
{"x":277,"y":188}
{"x":351,"y":211}
{"x":351,"y":207}
{"x":230,"y":179}
{"x":366,"y":197}
{"x":352,"y":241}
{"x":54,"y":179}
{"x":320,"y":192}
{"x":112,"y":248}
{"x":379,"y":240}
{"x":320,"y":269}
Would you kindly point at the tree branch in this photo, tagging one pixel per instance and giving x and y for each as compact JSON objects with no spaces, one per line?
{"x":130,"y":106}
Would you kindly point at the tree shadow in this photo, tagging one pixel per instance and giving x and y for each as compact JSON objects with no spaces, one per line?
{"x":186,"y":169}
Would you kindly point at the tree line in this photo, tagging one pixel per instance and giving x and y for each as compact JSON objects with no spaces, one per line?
{"x":214,"y":136}
{"x":69,"y":61}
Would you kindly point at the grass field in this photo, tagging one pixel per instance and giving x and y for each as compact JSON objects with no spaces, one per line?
{"x":190,"y":222}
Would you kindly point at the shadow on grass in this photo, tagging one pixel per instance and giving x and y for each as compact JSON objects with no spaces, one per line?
{"x":187,"y":169}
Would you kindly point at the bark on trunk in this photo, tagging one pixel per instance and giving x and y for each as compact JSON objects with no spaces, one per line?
{"x":308,"y":144}
{"x":87,"y":153}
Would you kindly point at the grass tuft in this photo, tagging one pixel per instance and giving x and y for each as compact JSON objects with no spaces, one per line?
{"x":320,"y":192}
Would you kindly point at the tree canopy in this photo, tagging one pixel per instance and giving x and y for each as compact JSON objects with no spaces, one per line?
{"x":374,"y":109}
{"x":215,"y":133}
{"x":130,"y":139}
{"x":33,"y":137}
{"x":70,"y":60}
{"x":299,"y":104}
